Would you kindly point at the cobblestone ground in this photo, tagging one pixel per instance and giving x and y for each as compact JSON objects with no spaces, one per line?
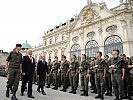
{"x":51,"y":94}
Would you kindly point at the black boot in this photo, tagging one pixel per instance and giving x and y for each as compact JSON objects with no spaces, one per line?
{"x":14,"y":97}
{"x":74,"y":91}
{"x":98,"y":96}
{"x":48,"y":86}
{"x":116,"y":98}
{"x":83,"y":94}
{"x":107,"y":94}
{"x":71,"y":91}
{"x":86,"y":93}
{"x":7,"y":92}
{"x":102,"y":97}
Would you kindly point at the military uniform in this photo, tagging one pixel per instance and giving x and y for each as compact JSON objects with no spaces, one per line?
{"x":128,"y":79}
{"x":108,"y":82}
{"x":99,"y":73}
{"x":55,"y":68}
{"x":14,"y":59}
{"x":73,"y":76}
{"x":117,"y":76}
{"x":84,"y":80}
{"x":92,"y":76}
{"x":49,"y":78}
{"x":64,"y":71}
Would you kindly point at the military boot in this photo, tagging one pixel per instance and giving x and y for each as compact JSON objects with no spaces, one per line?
{"x":7,"y":92}
{"x":14,"y":97}
{"x":116,"y":98}
{"x":83,"y":94}
{"x":74,"y":91}
{"x":86,"y":93}
{"x":98,"y":96}
{"x":102,"y":97}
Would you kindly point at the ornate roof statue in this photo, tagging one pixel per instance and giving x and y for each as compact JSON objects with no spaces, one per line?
{"x":89,"y":2}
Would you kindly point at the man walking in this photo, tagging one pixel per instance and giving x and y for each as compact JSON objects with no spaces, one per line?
{"x":42,"y":69}
{"x":28,"y":69}
{"x":13,"y":67}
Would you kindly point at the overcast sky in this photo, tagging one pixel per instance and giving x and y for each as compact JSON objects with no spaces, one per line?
{"x":22,"y":20}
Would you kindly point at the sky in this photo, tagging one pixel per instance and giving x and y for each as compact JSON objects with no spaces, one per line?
{"x":22,"y":20}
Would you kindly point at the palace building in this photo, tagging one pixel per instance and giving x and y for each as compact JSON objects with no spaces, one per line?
{"x":96,"y":28}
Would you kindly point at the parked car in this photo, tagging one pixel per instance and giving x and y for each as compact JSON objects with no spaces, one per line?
{"x":2,"y":71}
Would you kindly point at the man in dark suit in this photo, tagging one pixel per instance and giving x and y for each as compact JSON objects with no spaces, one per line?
{"x":28,"y":68}
{"x":42,"y":69}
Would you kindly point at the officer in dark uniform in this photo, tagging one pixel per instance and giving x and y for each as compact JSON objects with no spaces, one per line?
{"x":118,"y":73}
{"x":84,"y":71}
{"x":100,"y":74}
{"x":13,"y":66}
{"x":108,"y":82}
{"x":73,"y":70}
{"x":64,"y":73}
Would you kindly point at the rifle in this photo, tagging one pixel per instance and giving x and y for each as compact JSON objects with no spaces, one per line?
{"x":114,"y":69}
{"x":96,"y":69}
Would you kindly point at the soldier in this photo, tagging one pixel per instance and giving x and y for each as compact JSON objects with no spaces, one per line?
{"x":100,"y":74}
{"x":64,"y":73}
{"x":108,"y":82}
{"x":73,"y":70}
{"x":14,"y":60}
{"x":118,"y":73}
{"x":84,"y":71}
{"x":49,"y":76}
{"x":92,"y":75}
{"x":128,"y":78}
{"x":55,"y":68}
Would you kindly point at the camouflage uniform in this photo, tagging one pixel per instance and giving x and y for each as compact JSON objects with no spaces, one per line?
{"x":84,"y":81}
{"x":117,"y":76}
{"x":73,"y":75}
{"x":99,"y":73}
{"x":64,"y":72}
{"x":14,"y":59}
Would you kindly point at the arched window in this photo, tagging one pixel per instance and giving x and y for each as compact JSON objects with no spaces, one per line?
{"x":75,"y":50}
{"x":91,"y":49}
{"x":113,"y":42}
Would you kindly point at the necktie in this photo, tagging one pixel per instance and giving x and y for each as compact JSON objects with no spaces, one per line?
{"x":31,"y":59}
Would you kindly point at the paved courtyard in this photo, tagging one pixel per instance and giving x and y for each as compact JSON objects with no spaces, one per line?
{"x":51,"y":94}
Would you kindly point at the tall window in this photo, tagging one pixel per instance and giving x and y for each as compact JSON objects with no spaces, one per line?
{"x":113,"y":42}
{"x":91,"y":49}
{"x":50,"y":41}
{"x":75,"y":50}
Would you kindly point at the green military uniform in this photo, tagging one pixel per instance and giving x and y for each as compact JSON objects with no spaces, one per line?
{"x":84,"y":81}
{"x":92,"y":76}
{"x":73,"y":76}
{"x":64,"y":69}
{"x":117,"y":76}
{"x":108,"y":82}
{"x":49,"y":78}
{"x":129,"y":79}
{"x":14,"y":59}
{"x":55,"y":68}
{"x":99,"y":73}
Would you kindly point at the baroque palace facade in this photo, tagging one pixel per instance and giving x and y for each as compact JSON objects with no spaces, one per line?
{"x":96,"y":28}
